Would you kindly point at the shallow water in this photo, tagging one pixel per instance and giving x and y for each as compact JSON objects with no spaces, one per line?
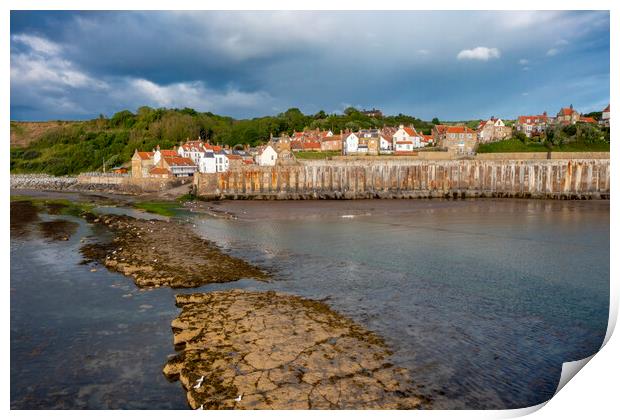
{"x":482,"y":300}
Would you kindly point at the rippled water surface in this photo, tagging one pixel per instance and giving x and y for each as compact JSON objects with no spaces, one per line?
{"x":481,"y":300}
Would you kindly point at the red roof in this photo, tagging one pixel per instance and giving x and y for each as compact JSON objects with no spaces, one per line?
{"x":248,"y":161}
{"x":606,"y":109}
{"x":404,"y":142}
{"x":159,"y":171}
{"x":178,"y":161}
{"x":566,"y":112}
{"x":234,"y":157}
{"x":459,"y":129}
{"x":311,"y":145}
{"x":145,"y":155}
{"x":410,"y":131}
{"x":332,"y":138}
{"x":533,"y":119}
{"x":587,"y":120}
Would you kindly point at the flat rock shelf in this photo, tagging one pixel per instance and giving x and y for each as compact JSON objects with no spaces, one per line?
{"x":267,"y":350}
{"x":158,"y":253}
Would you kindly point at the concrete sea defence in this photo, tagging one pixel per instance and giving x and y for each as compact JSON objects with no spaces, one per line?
{"x":544,"y":178}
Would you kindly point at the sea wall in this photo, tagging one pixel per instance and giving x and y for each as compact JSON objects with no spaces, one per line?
{"x":42,"y":182}
{"x":558,"y":178}
{"x":117,"y":183}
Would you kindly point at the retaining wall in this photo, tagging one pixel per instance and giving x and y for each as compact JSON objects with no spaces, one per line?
{"x":575,"y":178}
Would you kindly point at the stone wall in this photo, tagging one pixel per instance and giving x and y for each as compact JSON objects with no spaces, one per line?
{"x":42,"y":182}
{"x":95,"y":182}
{"x":577,"y":178}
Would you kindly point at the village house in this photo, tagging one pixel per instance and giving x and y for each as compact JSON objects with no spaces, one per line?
{"x":605,"y":117}
{"x":456,"y":139}
{"x":281,"y":143}
{"x":427,"y":139}
{"x":567,"y":116}
{"x":266,"y":156}
{"x":406,"y":139}
{"x":588,"y":120}
{"x":143,"y":162}
{"x":386,"y":143}
{"x":532,"y":125}
{"x":351,"y":143}
{"x":193,"y":150}
{"x":331,"y":143}
{"x":493,"y":130}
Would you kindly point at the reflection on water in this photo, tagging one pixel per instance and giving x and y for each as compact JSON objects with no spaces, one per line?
{"x":482,"y":300}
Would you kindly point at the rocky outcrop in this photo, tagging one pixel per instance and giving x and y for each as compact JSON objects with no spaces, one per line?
{"x":164,"y":253}
{"x":267,"y":350}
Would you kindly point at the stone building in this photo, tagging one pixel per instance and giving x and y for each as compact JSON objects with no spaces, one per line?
{"x":493,"y":130}
{"x":532,"y":125}
{"x":605,"y":117}
{"x":457,"y":139}
{"x":567,"y":116}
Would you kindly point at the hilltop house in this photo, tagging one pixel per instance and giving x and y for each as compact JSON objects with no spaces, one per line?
{"x":532,"y":125}
{"x":493,"y":130}
{"x":605,"y":117}
{"x":567,"y":116}
{"x":457,"y":139}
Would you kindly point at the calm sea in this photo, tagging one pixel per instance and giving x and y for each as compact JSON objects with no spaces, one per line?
{"x":482,"y":300}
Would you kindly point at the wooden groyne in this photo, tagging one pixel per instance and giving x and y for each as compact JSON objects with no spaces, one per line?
{"x":560,"y":179}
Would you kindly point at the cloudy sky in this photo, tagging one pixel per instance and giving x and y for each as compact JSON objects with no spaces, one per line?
{"x":453,"y":65}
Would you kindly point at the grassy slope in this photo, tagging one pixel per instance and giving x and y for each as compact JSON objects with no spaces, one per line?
{"x":516,"y":146}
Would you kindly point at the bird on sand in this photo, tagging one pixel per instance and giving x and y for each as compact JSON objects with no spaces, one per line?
{"x":238,"y":399}
{"x":199,"y":382}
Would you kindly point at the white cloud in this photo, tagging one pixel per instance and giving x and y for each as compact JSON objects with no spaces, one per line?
{"x":524,"y":61}
{"x":38,"y":44}
{"x":562,"y":42}
{"x":553,"y":51}
{"x":423,"y":52}
{"x":190,"y":94}
{"x":479,"y":53}
{"x":525,"y":94}
{"x":526,"y":68}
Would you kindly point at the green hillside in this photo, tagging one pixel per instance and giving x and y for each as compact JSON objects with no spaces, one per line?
{"x":61,"y":149}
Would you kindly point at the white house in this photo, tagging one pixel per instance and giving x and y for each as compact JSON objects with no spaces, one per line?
{"x":386,"y":143}
{"x":206,"y":165}
{"x":406,"y":139}
{"x":221,"y":161}
{"x":351,"y":143}
{"x":194,"y":150}
{"x":266,"y":156}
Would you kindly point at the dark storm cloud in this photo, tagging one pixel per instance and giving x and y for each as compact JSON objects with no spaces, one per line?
{"x":448,"y":64}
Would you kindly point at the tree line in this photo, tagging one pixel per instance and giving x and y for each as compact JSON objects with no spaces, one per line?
{"x":86,"y":145}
